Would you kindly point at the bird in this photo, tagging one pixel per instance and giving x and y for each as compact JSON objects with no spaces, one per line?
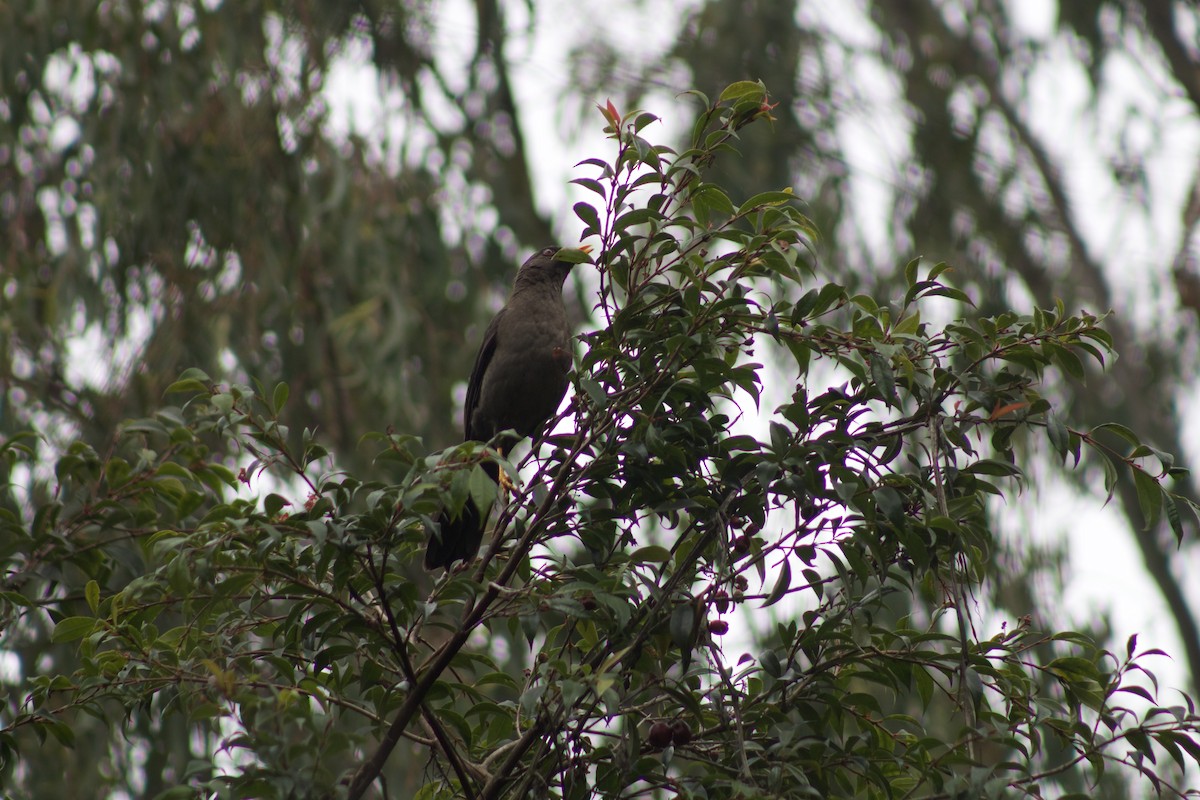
{"x":518,"y":382}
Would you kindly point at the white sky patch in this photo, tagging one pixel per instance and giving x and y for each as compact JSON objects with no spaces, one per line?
{"x":1033,"y":18}
{"x":10,"y":668}
{"x":542,"y":87}
{"x":353,"y":93}
{"x":93,"y":360}
{"x":875,"y":141}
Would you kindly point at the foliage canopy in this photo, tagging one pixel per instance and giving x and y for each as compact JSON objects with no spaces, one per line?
{"x":590,"y":651}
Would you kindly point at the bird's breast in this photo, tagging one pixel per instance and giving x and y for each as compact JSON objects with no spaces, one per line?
{"x":527,"y":377}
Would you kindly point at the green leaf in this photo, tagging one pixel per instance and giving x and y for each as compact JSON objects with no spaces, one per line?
{"x":176,"y":793}
{"x":638,"y":216}
{"x":274,"y":503}
{"x":766,"y":199}
{"x":17,"y":599}
{"x":908,"y":326}
{"x":953,"y":294}
{"x":1066,"y":360}
{"x":593,"y":185}
{"x":1192,"y":747}
{"x":59,"y":730}
{"x":924,"y":684}
{"x":1119,"y":430}
{"x":91,"y":593}
{"x":643,"y":119}
{"x":708,"y":200}
{"x":1141,"y":742}
{"x":991,"y":466}
{"x":195,"y":374}
{"x":781,"y":437}
{"x":591,"y":219}
{"x":1060,"y":438}
{"x":1150,"y":497}
{"x":1167,"y":740}
{"x":714,"y":197}
{"x":866,"y":303}
{"x":71,"y":628}
{"x":770,"y":663}
{"x":604,"y":166}
{"x":683,"y":626}
{"x":650,"y":554}
{"x":223,"y":402}
{"x":742,"y":90}
{"x":782,"y":584}
{"x":595,"y":391}
{"x":883,"y":377}
{"x":1171,"y":505}
{"x":938,"y":269}
{"x":815,"y":582}
{"x":1139,"y":691}
{"x":186,"y":385}
{"x":482,"y":488}
{"x":279,"y":397}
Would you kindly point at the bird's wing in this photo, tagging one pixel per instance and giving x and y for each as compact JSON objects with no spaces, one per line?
{"x":482,"y":360}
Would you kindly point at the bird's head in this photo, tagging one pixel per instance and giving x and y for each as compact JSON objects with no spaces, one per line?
{"x":551,"y":265}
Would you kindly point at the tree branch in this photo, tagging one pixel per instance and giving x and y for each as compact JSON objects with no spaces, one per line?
{"x":1160,"y":22}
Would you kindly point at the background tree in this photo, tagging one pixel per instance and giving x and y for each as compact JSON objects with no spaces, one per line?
{"x":174,"y":191}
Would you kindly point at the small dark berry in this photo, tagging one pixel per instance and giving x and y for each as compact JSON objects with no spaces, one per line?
{"x":741,"y":545}
{"x":722,"y":603}
{"x":681,"y":733}
{"x":718,"y":627}
{"x":660,"y":735}
{"x":740,"y":583}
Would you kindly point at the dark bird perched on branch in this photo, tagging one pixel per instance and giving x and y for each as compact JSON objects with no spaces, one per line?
{"x":520,"y":377}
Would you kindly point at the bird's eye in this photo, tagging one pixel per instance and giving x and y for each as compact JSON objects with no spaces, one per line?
{"x":550,"y":251}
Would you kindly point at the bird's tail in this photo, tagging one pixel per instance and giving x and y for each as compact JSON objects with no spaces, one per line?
{"x":458,"y":538}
